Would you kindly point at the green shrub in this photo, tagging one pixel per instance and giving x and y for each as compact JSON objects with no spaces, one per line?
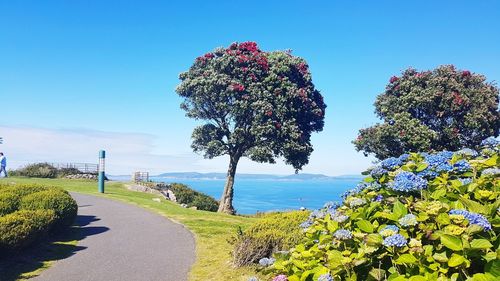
{"x":205,"y":202}
{"x":273,"y":232}
{"x":21,"y":228}
{"x":38,"y":170}
{"x":9,"y":202}
{"x":60,"y":202}
{"x":192,"y":198}
{"x":22,"y":190}
{"x":62,"y":172}
{"x":423,"y":216}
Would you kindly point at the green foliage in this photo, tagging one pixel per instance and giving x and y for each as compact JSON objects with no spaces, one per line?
{"x":443,"y":109}
{"x":258,"y":104}
{"x":64,"y":207}
{"x":255,"y":104}
{"x":9,"y":202}
{"x":37,"y":170}
{"x":192,"y":198}
{"x":43,"y":170}
{"x":416,"y":217}
{"x":271,"y":233}
{"x":21,"y":228}
{"x":27,"y":212}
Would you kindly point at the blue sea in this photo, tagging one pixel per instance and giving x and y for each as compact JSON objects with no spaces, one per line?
{"x":252,"y":196}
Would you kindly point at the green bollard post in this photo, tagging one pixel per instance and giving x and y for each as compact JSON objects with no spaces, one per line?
{"x":102,"y":155}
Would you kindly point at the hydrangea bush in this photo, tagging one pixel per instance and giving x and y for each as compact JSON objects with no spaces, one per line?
{"x":420,"y":216}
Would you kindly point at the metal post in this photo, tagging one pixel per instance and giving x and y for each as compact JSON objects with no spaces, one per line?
{"x":102,"y":155}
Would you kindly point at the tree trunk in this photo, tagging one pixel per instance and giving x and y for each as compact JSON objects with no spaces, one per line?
{"x":226,"y":201}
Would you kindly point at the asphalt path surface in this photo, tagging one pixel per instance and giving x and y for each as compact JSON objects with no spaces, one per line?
{"x":124,"y":242}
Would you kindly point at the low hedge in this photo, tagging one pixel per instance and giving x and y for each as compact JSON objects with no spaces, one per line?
{"x":28,"y":212}
{"x":192,"y":198}
{"x":21,"y":228}
{"x":271,"y":233}
{"x":60,"y":202}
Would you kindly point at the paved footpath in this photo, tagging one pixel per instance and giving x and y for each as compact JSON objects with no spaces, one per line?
{"x":124,"y":242}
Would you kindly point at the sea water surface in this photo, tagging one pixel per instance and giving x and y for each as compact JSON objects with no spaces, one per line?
{"x":252,"y":196}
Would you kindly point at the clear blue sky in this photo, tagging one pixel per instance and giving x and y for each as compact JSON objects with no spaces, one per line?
{"x":101,"y":72}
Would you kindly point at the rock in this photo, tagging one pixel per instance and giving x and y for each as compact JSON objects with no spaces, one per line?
{"x":82,"y":177}
{"x":184,"y":205}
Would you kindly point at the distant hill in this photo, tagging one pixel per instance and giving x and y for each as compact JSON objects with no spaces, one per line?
{"x":221,"y":176}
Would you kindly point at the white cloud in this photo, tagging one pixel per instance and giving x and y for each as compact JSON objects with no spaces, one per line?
{"x":129,"y":152}
{"x":126,"y":152}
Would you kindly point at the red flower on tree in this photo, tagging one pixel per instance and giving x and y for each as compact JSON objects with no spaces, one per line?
{"x":238,"y":87}
{"x":466,"y":73}
{"x":393,"y":79}
{"x":457,"y":99}
{"x":269,"y":113}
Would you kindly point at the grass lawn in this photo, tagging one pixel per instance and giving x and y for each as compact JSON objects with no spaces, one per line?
{"x":212,"y":230}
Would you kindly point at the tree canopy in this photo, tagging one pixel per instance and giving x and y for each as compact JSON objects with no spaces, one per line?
{"x":442,"y":109}
{"x":255,"y":104}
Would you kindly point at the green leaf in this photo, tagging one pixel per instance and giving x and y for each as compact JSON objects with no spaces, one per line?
{"x":480,"y":244}
{"x":451,"y":242}
{"x":483,"y":277}
{"x":474,"y":206}
{"x":377,"y":274}
{"x":421,"y":167}
{"x":418,"y":278}
{"x":365,"y":225}
{"x":293,"y":278}
{"x":440,"y":257}
{"x":399,"y":209}
{"x":455,"y":260}
{"x":493,"y":268}
{"x":406,"y":258}
{"x":438,"y":193}
{"x":373,"y":239}
{"x":443,"y":219}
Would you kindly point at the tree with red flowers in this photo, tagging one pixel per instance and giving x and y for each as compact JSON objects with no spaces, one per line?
{"x":254,"y":104}
{"x":442,"y":109}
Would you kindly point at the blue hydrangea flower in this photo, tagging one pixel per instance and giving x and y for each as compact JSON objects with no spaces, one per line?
{"x":473,"y":218}
{"x":331,"y":205}
{"x":428,"y":173}
{"x":378,"y":198}
{"x":465,"y":181}
{"x":319,"y":214}
{"x":342,"y":234}
{"x":407,"y":182}
{"x":253,"y":278}
{"x":389,"y":230}
{"x":325,"y":277}
{"x":378,"y":171}
{"x":439,"y":159}
{"x":360,"y":187}
{"x":404,"y":157}
{"x":462,"y":166}
{"x":491,"y":171}
{"x":355,"y":202}
{"x":408,"y":220}
{"x":391,"y":163}
{"x":266,"y":261}
{"x":338,"y":216}
{"x":306,"y":224}
{"x":467,"y":152}
{"x":443,"y":167}
{"x":490,"y":142}
{"x":396,"y":240}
